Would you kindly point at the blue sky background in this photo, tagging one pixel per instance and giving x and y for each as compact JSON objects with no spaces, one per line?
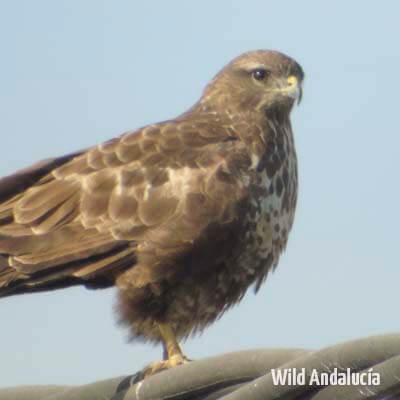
{"x":74,"y":73}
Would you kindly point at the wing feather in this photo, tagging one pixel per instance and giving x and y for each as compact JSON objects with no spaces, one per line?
{"x":126,"y":201}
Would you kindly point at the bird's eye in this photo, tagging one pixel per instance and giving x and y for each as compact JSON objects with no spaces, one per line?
{"x":260,"y":74}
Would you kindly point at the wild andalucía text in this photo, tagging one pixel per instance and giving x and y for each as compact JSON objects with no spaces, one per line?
{"x":301,"y":377}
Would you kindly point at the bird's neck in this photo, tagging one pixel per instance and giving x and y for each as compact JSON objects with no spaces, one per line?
{"x":258,"y":130}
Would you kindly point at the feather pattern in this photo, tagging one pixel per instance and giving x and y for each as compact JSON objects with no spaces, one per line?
{"x":183,"y":216}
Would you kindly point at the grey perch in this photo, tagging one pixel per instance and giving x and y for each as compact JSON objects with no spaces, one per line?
{"x":246,"y":375}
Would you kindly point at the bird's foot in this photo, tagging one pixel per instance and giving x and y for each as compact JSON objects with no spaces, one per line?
{"x":159,"y":366}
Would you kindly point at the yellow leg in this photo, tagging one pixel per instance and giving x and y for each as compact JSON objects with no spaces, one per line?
{"x":172,"y":351}
{"x":173,"y":355}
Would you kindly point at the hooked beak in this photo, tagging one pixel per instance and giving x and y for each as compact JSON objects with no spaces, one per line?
{"x":293,"y":89}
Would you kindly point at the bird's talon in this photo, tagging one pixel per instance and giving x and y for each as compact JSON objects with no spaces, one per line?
{"x":163,"y":365}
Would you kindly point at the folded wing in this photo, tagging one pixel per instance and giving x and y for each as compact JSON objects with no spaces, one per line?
{"x":134,"y":200}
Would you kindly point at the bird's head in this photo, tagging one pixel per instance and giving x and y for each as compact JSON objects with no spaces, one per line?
{"x":260,"y":80}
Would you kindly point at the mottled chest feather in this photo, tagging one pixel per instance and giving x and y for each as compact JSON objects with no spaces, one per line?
{"x":271,"y":206}
{"x":256,"y":242}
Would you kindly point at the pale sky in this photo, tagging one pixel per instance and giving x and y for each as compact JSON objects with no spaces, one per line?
{"x":75,"y":73}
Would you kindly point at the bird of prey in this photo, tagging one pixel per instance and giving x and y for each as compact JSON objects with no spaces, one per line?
{"x":181,"y":216}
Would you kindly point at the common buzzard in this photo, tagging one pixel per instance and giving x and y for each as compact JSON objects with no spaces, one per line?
{"x":182,"y":216}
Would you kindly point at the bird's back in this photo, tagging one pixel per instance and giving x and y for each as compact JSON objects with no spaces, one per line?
{"x":84,"y":218}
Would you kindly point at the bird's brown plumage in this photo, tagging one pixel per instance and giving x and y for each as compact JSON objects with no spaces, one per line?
{"x":181,"y":215}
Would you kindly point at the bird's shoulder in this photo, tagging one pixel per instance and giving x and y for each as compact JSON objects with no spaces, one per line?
{"x":141,"y":179}
{"x":171,"y":144}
